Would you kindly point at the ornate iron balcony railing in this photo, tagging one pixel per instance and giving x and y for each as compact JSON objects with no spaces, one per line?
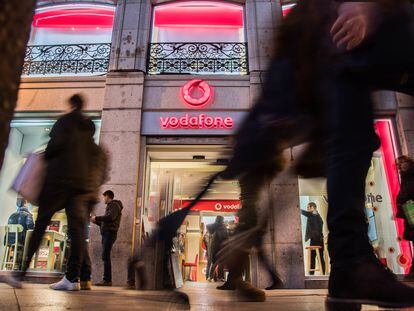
{"x":67,"y":59}
{"x":198,"y":57}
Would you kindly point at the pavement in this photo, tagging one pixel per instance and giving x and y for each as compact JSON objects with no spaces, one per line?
{"x":202,"y":296}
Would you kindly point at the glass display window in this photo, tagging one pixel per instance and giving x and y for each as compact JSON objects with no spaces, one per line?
{"x":384,"y":230}
{"x":18,"y":217}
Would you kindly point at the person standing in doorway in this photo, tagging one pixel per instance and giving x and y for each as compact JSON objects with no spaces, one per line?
{"x":219,"y":234}
{"x":109,"y":224}
{"x":406,"y":167}
{"x":314,"y":233}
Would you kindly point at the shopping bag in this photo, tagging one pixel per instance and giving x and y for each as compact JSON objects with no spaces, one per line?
{"x":29,"y":181}
{"x":409,"y":212}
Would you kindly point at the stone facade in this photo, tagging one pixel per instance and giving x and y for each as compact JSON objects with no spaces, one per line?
{"x":127,"y":93}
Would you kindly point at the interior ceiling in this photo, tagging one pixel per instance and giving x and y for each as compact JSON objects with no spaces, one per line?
{"x":189,"y":176}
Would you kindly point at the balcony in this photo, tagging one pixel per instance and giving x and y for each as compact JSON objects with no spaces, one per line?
{"x":66,"y":59}
{"x":198,"y":58}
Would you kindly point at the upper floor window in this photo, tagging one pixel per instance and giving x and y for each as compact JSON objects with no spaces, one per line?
{"x":203,"y":37}
{"x":70,"y":39}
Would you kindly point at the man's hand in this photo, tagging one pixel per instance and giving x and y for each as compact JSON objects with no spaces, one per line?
{"x":93,"y":219}
{"x":356,"y":22}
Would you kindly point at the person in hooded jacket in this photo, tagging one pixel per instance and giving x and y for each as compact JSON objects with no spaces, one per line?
{"x":21,"y":216}
{"x":406,"y":167}
{"x":109,"y":224}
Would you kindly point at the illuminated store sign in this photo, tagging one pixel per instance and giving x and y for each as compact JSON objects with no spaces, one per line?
{"x":227,"y":206}
{"x":196,"y":94}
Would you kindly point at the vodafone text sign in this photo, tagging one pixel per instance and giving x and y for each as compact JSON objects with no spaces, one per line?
{"x":201,"y":121}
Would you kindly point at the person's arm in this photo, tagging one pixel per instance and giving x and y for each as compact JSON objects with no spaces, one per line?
{"x":58,"y":139}
{"x":306,"y":213}
{"x":29,"y":222}
{"x":111,"y":213}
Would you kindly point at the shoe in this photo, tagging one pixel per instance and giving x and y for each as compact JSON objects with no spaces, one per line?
{"x":65,"y":284}
{"x":226,"y":286}
{"x":129,"y":286}
{"x":13,"y":281}
{"x":247,"y":292}
{"x":368,"y":282}
{"x":104,"y":283}
{"x":85,"y":285}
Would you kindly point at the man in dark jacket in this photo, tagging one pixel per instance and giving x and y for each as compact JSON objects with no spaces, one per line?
{"x":109,"y":224}
{"x":67,"y":156}
{"x":314,"y":233}
{"x":406,"y":168}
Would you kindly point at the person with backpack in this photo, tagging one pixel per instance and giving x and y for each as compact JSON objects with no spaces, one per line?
{"x":109,"y":224}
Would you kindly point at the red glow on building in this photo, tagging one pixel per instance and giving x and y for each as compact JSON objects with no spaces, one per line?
{"x":389,"y":154}
{"x":197,"y":13}
{"x":81,"y":17}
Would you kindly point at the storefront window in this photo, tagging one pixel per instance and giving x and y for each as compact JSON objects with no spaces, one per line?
{"x":383,"y":228}
{"x":17,"y":217}
{"x":203,"y":37}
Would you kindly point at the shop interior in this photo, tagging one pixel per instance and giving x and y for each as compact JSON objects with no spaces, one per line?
{"x":27,"y":136}
{"x":175,"y":176}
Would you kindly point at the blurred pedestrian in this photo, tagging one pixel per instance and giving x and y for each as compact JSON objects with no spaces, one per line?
{"x":219,"y":235}
{"x":68,"y":157}
{"x":207,"y":240}
{"x":109,"y":225}
{"x":406,"y":167}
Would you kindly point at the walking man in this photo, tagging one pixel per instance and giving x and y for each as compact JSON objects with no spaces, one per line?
{"x":314,"y":233}
{"x":68,"y":158}
{"x":109,"y":224}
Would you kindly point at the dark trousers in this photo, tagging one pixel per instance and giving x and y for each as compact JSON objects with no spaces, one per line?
{"x":317,"y":242}
{"x":385,"y":64}
{"x":108,"y":240}
{"x":51,"y":200}
{"x":208,"y":268}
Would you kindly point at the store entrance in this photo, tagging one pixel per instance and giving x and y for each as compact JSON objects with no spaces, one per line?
{"x":174,"y":176}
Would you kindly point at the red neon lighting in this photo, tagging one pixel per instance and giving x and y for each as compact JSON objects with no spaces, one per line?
{"x":226,"y":206}
{"x":389,"y":154}
{"x":75,"y":18}
{"x":287,"y":8}
{"x":201,"y":121}
{"x":197,"y":103}
{"x":199,"y":14}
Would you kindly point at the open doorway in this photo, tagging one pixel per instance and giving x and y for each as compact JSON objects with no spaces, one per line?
{"x":174,"y":176}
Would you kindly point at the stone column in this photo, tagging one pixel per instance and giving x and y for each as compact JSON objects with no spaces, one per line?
{"x":121,"y":129}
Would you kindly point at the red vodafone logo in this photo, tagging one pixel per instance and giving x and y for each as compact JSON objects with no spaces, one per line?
{"x":193,"y":100}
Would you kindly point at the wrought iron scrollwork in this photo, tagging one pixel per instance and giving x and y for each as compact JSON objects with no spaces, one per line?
{"x":202,"y":57}
{"x":66,"y":59}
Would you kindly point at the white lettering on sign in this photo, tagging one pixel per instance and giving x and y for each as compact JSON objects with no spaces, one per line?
{"x":201,"y":121}
{"x":220,"y":206}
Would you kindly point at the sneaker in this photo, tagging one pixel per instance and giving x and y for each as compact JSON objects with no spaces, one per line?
{"x":13,"y":281}
{"x":85,"y":285}
{"x":65,"y":284}
{"x":104,"y":283}
{"x":370,"y":283}
{"x":247,"y":292}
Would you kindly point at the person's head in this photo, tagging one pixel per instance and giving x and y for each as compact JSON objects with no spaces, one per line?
{"x":312,"y":207}
{"x":76,"y":102}
{"x":108,"y":196}
{"x":20,"y":202}
{"x":219,"y":219}
{"x":404,"y":163}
